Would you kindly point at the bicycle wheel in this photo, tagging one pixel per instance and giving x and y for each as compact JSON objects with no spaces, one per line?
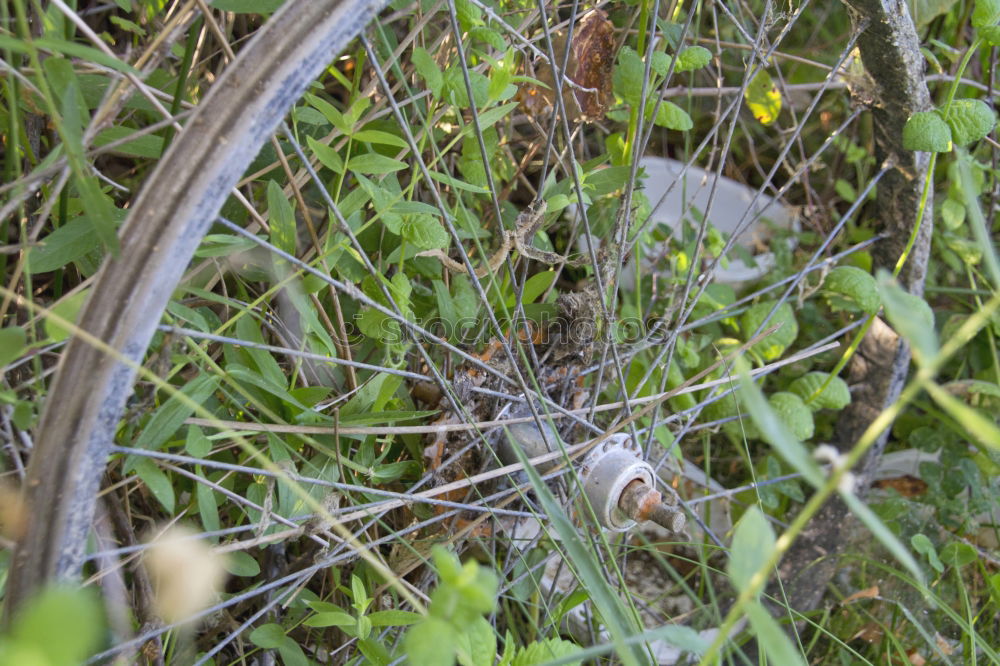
{"x":458,"y":234}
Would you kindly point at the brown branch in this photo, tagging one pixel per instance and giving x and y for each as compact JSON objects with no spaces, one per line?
{"x":894,"y":89}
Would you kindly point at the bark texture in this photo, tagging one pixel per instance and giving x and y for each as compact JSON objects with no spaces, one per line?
{"x":890,"y":52}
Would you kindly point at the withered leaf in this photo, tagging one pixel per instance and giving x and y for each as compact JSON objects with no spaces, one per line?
{"x":590,"y":64}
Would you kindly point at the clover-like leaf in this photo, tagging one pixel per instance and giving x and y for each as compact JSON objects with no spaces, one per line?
{"x":850,"y":288}
{"x":927,"y":131}
{"x":970,"y":120}
{"x":773,"y":345}
{"x":836,"y":395}
{"x":794,"y":414}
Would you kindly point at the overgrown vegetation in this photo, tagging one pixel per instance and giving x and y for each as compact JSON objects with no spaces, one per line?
{"x":444,"y":226}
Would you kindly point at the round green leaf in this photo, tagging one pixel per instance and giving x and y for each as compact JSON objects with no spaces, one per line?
{"x":268,"y":636}
{"x":970,"y":120}
{"x":986,"y":13}
{"x":62,"y":625}
{"x":673,"y":117}
{"x":927,"y":131}
{"x":958,"y":554}
{"x":775,"y":344}
{"x":692,"y":58}
{"x":850,"y":288}
{"x":794,"y":414}
{"x":952,"y":214}
{"x":835,"y":396}
{"x":239,"y":563}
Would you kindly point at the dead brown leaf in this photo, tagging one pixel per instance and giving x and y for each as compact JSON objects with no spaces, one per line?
{"x":590,"y":65}
{"x":906,"y":485}
{"x":869,"y":593}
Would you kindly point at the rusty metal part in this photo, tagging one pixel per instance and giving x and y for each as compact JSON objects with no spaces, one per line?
{"x":640,"y":502}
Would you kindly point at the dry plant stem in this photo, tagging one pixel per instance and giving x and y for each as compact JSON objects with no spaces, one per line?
{"x":141,"y":586}
{"x":168,"y":220}
{"x":890,"y":51}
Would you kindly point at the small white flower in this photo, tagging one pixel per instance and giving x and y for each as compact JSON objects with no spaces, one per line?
{"x":826,"y":453}
{"x":185,"y":572}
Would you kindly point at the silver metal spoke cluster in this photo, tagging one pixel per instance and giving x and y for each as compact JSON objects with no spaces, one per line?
{"x":603,"y":430}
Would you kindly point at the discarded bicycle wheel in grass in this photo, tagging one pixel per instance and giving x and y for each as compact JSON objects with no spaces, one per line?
{"x":338,"y":332}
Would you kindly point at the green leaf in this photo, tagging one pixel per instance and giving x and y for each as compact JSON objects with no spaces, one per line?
{"x":492,"y":116}
{"x":100,"y":211}
{"x":330,"y":112}
{"x":169,"y":416}
{"x":394,"y":618}
{"x":208,"y":507}
{"x":72,"y":49}
{"x":970,"y":120}
{"x":910,"y":316}
{"x":465,"y":298}
{"x":332,"y":619}
{"x":990,"y":34}
{"x":378,"y":325}
{"x":986,"y":13}
{"x":952,"y":214}
{"x":673,"y":117}
{"x":457,"y":184}
{"x":854,"y":289}
{"x":291,"y":654}
{"x":425,"y":232}
{"x":240,"y":563}
{"x":775,"y":432}
{"x":540,"y":652}
{"x":281,"y":217}
{"x":775,"y":344}
{"x":794,"y":414}
{"x":753,"y":543}
{"x":268,"y":636}
{"x":692,"y":58}
{"x":145,"y":145}
{"x":374,"y":163}
{"x":62,"y":625}
{"x":70,"y":242}
{"x":923,"y":545}
{"x":68,"y":309}
{"x":428,"y":69}
{"x":128,"y":26}
{"x":380,"y":137}
{"x":431,"y":643}
{"x":157,"y":482}
{"x":488,"y":36}
{"x":836,"y":395}
{"x":627,"y":76}
{"x":13,"y":340}
{"x":247,"y":6}
{"x":958,"y":554}
{"x":197,"y":444}
{"x":777,"y":646}
{"x":927,"y":131}
{"x":327,"y":156}
{"x":477,"y":645}
{"x":762,"y":98}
